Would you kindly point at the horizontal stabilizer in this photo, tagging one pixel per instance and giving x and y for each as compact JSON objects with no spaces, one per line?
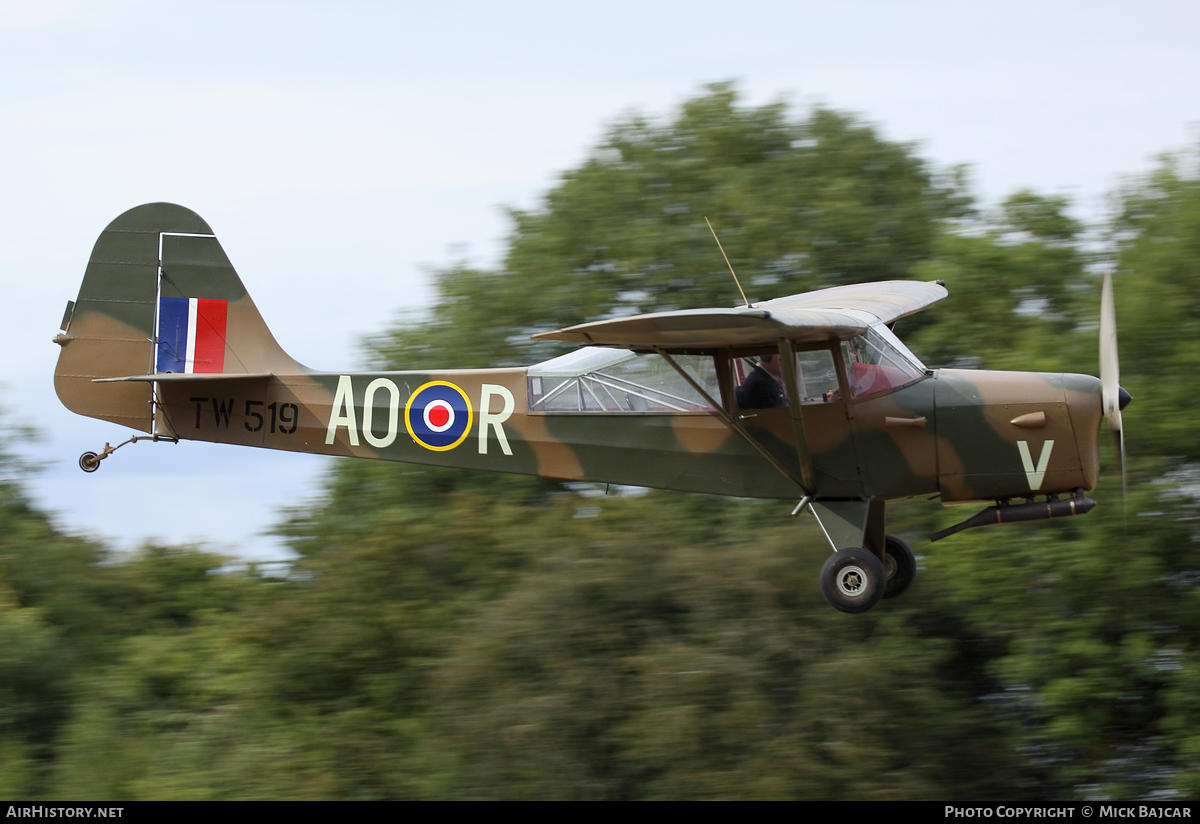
{"x":171,"y":377}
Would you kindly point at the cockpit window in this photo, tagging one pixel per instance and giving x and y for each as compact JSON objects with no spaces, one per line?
{"x":758,"y":380}
{"x":594,"y":379}
{"x":877,"y":361}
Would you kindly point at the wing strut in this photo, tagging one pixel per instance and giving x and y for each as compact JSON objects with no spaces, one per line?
{"x":787,"y":357}
{"x":729,"y":421}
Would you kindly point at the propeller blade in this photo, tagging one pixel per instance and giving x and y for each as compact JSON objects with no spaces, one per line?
{"x":1119,"y":455}
{"x":1110,"y":377}
{"x":1110,"y":366}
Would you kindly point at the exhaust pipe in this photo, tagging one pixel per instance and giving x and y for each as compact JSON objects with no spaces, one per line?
{"x":1029,"y":511}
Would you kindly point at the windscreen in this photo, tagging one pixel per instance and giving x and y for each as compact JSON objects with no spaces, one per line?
{"x":877,"y":362}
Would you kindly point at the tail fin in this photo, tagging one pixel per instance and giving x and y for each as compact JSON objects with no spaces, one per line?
{"x":159,"y":295}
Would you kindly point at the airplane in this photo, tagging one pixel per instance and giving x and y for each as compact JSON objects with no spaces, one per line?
{"x":809,"y":397}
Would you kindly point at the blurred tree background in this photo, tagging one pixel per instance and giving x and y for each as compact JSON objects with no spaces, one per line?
{"x":446,"y":634}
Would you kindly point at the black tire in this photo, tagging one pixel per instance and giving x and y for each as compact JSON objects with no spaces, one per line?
{"x":89,"y":461}
{"x":900,"y":566}
{"x":853,"y":580}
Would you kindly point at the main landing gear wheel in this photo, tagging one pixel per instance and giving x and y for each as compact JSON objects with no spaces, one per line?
{"x":853,"y":580}
{"x":89,"y":461}
{"x":900,"y":565}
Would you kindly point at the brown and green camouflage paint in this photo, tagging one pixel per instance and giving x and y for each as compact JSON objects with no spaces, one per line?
{"x":966,"y":435}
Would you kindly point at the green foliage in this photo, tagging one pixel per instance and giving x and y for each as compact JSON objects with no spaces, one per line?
{"x":632,"y":662}
{"x":1042,"y":217}
{"x":1019,"y":293}
{"x":1088,"y":621}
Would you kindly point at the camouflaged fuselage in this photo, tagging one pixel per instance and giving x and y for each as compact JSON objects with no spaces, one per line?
{"x":952,"y":433}
{"x":966,"y":435}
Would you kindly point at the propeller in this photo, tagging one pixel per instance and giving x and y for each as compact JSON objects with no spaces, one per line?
{"x":1112,"y":397}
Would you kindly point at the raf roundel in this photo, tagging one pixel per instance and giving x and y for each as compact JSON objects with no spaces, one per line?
{"x":438,"y":416}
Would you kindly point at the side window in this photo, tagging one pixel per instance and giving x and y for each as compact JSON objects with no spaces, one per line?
{"x":759,"y":380}
{"x":594,"y":379}
{"x":816,"y":377}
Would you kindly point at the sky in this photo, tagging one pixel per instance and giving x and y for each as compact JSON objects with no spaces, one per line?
{"x":343,"y":151}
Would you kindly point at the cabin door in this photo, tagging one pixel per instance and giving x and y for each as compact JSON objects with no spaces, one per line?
{"x":792,"y":401}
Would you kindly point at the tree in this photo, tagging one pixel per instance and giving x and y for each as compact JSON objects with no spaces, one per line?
{"x":448,"y":634}
{"x":799,"y":204}
{"x":1158,"y":309}
{"x":1021,"y":296}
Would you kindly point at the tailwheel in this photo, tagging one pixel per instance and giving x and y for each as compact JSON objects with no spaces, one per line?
{"x":900,"y":565}
{"x":853,"y":580}
{"x":90,"y":461}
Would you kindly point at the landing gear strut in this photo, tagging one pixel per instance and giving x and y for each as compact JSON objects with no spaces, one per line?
{"x":875,"y":565}
{"x":90,"y":461}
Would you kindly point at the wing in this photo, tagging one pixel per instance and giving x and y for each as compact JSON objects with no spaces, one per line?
{"x":822,"y":315}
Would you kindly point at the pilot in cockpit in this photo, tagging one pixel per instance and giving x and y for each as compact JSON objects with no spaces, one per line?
{"x":763,"y":387}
